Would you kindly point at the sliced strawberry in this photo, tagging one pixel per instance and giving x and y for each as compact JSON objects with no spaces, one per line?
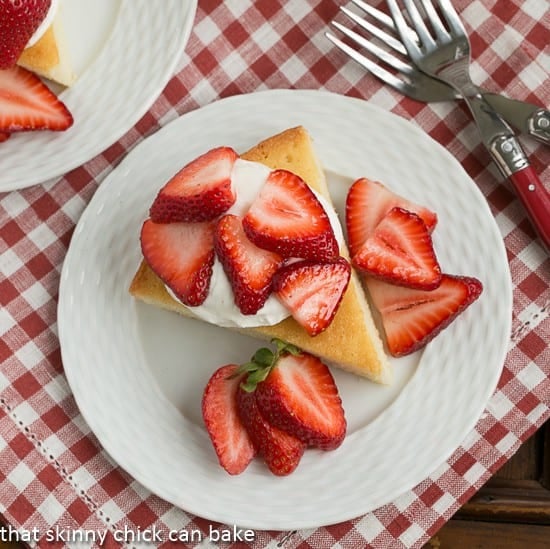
{"x":287,"y":218}
{"x":229,"y":437}
{"x":368,"y":202}
{"x":280,"y":451}
{"x":400,"y":251}
{"x":200,"y":191}
{"x":300,"y":397}
{"x":249,"y":269}
{"x":18,"y":22}
{"x":182,"y":255}
{"x":4,"y":136}
{"x":312,"y":291}
{"x":412,"y":318}
{"x":26,"y":103}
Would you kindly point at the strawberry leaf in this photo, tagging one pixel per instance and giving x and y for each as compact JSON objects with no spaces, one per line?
{"x":253,"y":378}
{"x":285,"y":348}
{"x":263,"y":357}
{"x":261,"y":364}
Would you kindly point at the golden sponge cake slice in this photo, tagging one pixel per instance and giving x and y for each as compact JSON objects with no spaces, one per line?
{"x":49,"y":56}
{"x":352,"y":341}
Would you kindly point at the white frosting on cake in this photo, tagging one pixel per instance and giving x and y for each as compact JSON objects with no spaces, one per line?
{"x":48,"y":20}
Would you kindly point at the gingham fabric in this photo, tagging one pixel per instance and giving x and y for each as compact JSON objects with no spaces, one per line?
{"x":54,"y":473}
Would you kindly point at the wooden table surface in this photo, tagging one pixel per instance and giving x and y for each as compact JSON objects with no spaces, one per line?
{"x":512,"y":511}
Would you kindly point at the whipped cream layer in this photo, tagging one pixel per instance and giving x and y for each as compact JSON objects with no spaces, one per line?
{"x":47,"y":21}
{"x":247,"y":178}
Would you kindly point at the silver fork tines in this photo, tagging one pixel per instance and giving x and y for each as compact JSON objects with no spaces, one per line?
{"x":391,"y":41}
{"x":409,"y":80}
{"x":445,"y":53}
{"x":448,"y":51}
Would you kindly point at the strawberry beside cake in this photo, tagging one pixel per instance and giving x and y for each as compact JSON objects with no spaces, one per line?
{"x":392,"y":249}
{"x":275,"y":407}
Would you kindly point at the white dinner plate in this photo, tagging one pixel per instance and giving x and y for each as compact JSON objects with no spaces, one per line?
{"x":138,"y":372}
{"x":124,"y":52}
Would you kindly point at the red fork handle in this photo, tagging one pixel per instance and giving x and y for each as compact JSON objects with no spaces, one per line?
{"x":536,"y":200}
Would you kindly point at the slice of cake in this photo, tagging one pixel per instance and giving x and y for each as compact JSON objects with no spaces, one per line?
{"x":351,"y":341}
{"x":49,"y":56}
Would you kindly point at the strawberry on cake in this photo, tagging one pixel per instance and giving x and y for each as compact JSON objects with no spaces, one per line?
{"x":251,"y":242}
{"x":274,"y":263}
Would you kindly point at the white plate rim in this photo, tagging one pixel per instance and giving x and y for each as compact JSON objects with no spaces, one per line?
{"x":301,"y":100}
{"x":121,"y":87}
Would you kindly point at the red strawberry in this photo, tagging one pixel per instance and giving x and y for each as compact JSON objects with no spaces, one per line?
{"x":200,"y":191}
{"x":280,"y":451}
{"x":287,"y":218}
{"x":18,"y":22}
{"x":400,"y":251}
{"x":250,"y":269}
{"x":182,"y":255}
{"x":300,"y":397}
{"x":412,"y":318}
{"x":26,"y":103}
{"x":231,"y":441}
{"x":368,"y":202}
{"x":4,"y":136}
{"x":312,"y":291}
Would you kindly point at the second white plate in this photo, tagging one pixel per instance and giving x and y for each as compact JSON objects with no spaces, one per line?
{"x":124,"y":52}
{"x":150,"y":367}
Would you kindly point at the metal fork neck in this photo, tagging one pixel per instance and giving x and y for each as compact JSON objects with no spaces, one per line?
{"x":456,"y":73}
{"x":495,"y":133}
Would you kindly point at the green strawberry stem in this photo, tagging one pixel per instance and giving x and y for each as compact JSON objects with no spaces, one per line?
{"x":263,"y":361}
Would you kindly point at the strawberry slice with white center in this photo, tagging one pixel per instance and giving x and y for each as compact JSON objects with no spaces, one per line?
{"x":232,"y":444}
{"x":287,"y":218}
{"x":18,"y":23}
{"x":182,"y":255}
{"x":368,"y":202}
{"x":312,"y":291}
{"x":299,"y":396}
{"x":200,"y":191}
{"x":26,"y":103}
{"x":280,"y":450}
{"x":249,"y":269}
{"x":400,"y":251}
{"x":412,"y":318}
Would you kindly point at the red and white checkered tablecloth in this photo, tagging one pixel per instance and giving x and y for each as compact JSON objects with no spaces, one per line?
{"x":53,"y":472}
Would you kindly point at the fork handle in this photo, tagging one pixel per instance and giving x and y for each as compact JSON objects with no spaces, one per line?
{"x":535,"y":199}
{"x":513,"y":163}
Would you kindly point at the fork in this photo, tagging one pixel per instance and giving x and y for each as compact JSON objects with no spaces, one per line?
{"x":416,"y":84}
{"x":443,"y":51}
{"x":532,"y":119}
